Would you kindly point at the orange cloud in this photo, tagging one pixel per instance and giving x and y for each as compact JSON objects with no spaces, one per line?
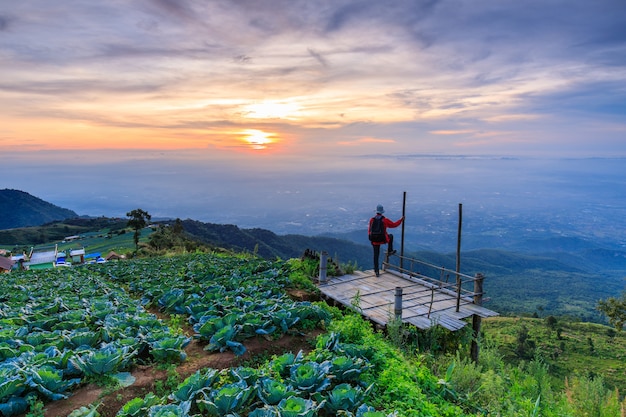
{"x":451,"y":132}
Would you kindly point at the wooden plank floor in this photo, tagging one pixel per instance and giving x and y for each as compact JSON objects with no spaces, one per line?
{"x":423,"y":304}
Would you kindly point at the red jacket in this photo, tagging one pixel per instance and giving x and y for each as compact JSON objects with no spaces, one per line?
{"x":388,"y":225}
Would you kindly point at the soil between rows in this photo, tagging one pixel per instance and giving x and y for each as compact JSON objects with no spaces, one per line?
{"x":197,"y":358}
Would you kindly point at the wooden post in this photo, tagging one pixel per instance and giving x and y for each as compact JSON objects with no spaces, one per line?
{"x":458,"y":260}
{"x":323,"y":266}
{"x":398,"y":303}
{"x":402,"y":238}
{"x":476,"y":320}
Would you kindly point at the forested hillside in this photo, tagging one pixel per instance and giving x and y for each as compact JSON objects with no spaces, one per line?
{"x":20,"y":209}
{"x":517,"y":283}
{"x":270,"y":245}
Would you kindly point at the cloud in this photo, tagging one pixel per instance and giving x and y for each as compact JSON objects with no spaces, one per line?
{"x":177,"y":71}
{"x":4,"y":22}
{"x":451,"y":132}
{"x":361,"y":141}
{"x":318,"y":57}
{"x":178,"y":8}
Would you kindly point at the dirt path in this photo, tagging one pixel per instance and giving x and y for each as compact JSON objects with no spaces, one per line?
{"x":197,"y":358}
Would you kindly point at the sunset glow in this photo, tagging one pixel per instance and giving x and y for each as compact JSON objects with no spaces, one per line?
{"x":186,"y":75}
{"x":257,"y":139}
{"x":289,"y":110}
{"x":271,"y":110}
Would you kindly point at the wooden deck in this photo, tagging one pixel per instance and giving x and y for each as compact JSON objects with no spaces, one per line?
{"x":424,"y":304}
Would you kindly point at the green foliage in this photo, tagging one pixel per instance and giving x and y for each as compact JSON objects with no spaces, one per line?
{"x":349,"y":267}
{"x":91,"y":411}
{"x":525,"y":348}
{"x":108,"y":360}
{"x":397,"y":333}
{"x":615,"y":309}
{"x":345,"y":397}
{"x":171,"y":382}
{"x":300,"y":276}
{"x":35,"y":407}
{"x":138,"y":407}
{"x":138,"y":219}
{"x":193,"y":384}
{"x":590,"y":397}
{"x":565,"y":352}
{"x":172,"y":238}
{"x":310,"y":376}
{"x":230,"y":398}
{"x":297,"y":407}
{"x":351,"y":370}
{"x":169,"y":410}
{"x":49,"y":382}
{"x":272,"y":391}
{"x":169,"y":349}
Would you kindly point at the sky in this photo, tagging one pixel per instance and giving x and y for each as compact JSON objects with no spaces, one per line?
{"x":200,"y":108}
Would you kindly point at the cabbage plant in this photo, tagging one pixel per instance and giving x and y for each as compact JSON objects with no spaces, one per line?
{"x":271,"y":391}
{"x":347,"y":369}
{"x":138,"y":407}
{"x":173,"y":300}
{"x":170,"y":349}
{"x":267,"y":411}
{"x":245,"y":374}
{"x":193,"y":384}
{"x":14,"y":406}
{"x":224,"y":339}
{"x":11,"y":386}
{"x":344,"y":397}
{"x":365,"y":410}
{"x":298,"y":407}
{"x":91,"y":411}
{"x":110,"y":359}
{"x":310,"y":377}
{"x":230,"y":398}
{"x":221,"y":333}
{"x":81,"y":338}
{"x":50,"y":383}
{"x":170,"y":410}
{"x":282,"y":364}
{"x":6,"y":351}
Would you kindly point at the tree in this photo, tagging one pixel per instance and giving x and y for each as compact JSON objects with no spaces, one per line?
{"x":525,"y":345}
{"x":138,"y":220}
{"x":615,"y":309}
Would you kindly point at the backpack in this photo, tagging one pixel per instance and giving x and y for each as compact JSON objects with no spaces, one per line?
{"x":377,"y":230}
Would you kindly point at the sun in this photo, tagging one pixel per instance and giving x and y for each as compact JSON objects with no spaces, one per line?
{"x":258,"y":139}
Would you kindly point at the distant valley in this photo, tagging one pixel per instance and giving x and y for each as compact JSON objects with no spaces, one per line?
{"x":530,"y":269}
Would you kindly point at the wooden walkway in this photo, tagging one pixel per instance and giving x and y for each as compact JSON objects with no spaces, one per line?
{"x":424,"y":304}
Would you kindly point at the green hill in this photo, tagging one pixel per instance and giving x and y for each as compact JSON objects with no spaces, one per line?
{"x":270,"y":245}
{"x":567,"y":347}
{"x":20,"y":209}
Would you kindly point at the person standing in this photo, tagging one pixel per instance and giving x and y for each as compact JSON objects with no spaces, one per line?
{"x":377,"y":232}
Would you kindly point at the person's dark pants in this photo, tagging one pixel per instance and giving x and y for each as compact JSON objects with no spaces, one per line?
{"x":377,"y":254}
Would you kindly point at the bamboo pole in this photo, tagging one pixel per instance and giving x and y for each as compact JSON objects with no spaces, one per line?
{"x":458,"y":258}
{"x":402,"y":237}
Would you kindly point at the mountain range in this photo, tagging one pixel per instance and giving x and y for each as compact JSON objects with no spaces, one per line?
{"x":20,"y":209}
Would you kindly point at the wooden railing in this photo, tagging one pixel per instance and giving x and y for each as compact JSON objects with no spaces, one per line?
{"x":439,"y":278}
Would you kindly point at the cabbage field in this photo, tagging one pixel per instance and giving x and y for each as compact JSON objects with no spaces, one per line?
{"x":62,"y":327}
